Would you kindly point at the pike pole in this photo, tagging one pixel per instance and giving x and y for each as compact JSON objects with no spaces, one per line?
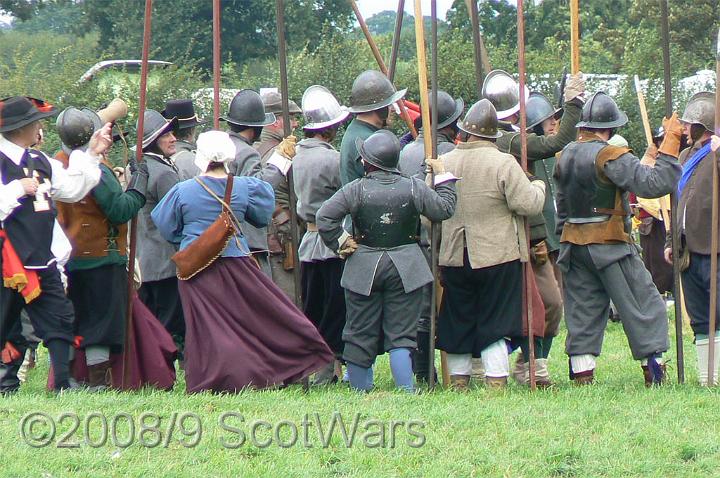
{"x":714,"y":228}
{"x":396,"y":40}
{"x":381,"y":64}
{"x":133,"y":223}
{"x":216,"y":64}
{"x":282,"y":56}
{"x":527,"y":270}
{"x":574,"y":36}
{"x":674,"y":233}
{"x":477,"y":50}
{"x":429,"y":153}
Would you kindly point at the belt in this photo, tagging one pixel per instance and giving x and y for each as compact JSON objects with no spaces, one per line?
{"x":311,"y":227}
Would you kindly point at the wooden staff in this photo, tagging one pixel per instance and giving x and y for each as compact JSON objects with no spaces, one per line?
{"x":381,"y":64}
{"x":574,"y":36}
{"x":527,"y":270}
{"x":133,"y":222}
{"x":216,"y":64}
{"x":396,"y":40}
{"x":674,"y":234}
{"x":287,"y":130}
{"x":714,"y":228}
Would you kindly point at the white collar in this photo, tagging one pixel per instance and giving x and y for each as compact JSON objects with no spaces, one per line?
{"x":11,"y":150}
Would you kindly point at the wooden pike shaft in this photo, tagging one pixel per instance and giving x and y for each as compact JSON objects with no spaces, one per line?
{"x":674,"y":234}
{"x":527,"y":270}
{"x":133,"y":223}
{"x":574,"y":36}
{"x":714,"y":229}
{"x":216,"y":64}
{"x":381,"y":64}
{"x":643,"y":112}
{"x":287,"y":130}
{"x":396,"y":40}
{"x":477,"y":50}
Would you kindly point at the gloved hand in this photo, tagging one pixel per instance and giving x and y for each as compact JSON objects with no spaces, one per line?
{"x":575,"y":87}
{"x":673,"y":134}
{"x":435,"y":165}
{"x":347,"y":248}
{"x":287,"y":147}
{"x":715,"y":143}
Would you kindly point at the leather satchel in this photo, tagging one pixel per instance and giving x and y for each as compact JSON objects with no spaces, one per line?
{"x":203,"y":251}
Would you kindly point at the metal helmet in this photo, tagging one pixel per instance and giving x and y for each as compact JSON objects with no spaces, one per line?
{"x":321,"y":109}
{"x":273,"y":104}
{"x":601,"y":112}
{"x":371,"y":91}
{"x":381,"y":149}
{"x":503,"y":92}
{"x":481,"y":120}
{"x":247,"y":109}
{"x":701,"y":110}
{"x":74,"y":127}
{"x":155,"y":125}
{"x":538,"y":108}
{"x":449,"y":109}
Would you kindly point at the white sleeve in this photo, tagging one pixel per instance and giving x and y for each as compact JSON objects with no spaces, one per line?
{"x":75,"y":182}
{"x":9,"y":195}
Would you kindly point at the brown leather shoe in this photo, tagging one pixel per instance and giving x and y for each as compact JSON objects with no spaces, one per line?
{"x":496,"y":383}
{"x":100,"y":376}
{"x":459,"y":383}
{"x":647,"y":374}
{"x":584,"y":378}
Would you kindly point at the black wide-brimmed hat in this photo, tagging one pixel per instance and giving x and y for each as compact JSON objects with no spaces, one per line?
{"x":381,"y":149}
{"x":19,"y":111}
{"x":155,"y":126}
{"x":184,"y":111}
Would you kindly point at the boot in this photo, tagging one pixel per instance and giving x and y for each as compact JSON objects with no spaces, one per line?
{"x":421,"y":358}
{"x":496,"y":383}
{"x":9,"y":381}
{"x":521,"y":372}
{"x":542,"y":376}
{"x":326,"y":375}
{"x":655,"y":372}
{"x":478,"y":370}
{"x":459,"y":383}
{"x":703,"y":349}
{"x":584,"y":378}
{"x":100,"y":376}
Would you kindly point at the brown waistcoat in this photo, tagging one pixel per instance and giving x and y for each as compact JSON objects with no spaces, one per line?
{"x":87,"y":228}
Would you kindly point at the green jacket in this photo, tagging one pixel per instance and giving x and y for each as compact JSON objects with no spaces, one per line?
{"x":541,"y":152}
{"x":351,"y":167}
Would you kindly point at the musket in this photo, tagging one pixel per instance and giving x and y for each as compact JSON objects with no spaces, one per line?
{"x":133,"y":222}
{"x":527,"y":270}
{"x":216,"y":64}
{"x":381,"y":64}
{"x":287,"y":130}
{"x":396,"y":41}
{"x":674,"y":233}
{"x":714,"y":228}
{"x":574,"y":36}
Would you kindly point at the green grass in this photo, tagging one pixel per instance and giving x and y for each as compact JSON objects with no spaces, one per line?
{"x":614,"y":428}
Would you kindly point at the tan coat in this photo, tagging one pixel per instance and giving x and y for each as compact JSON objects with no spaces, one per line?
{"x":494,"y":195}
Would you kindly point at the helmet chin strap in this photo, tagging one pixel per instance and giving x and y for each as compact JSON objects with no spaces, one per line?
{"x":696,"y":132}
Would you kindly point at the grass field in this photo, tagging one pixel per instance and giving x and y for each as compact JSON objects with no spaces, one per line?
{"x":614,"y":428}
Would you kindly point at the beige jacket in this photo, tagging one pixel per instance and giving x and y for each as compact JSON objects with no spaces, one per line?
{"x":494,"y":196}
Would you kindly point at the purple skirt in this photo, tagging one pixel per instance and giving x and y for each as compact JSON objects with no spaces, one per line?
{"x":152,"y":355}
{"x":243,"y":331}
